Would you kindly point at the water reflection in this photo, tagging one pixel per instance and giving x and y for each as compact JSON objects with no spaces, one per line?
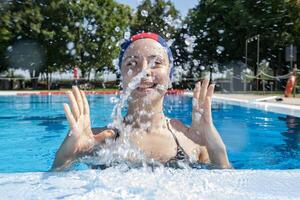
{"x":288,"y":152}
{"x":293,"y":128}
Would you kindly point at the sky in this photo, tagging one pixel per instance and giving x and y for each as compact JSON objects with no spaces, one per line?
{"x":182,"y":5}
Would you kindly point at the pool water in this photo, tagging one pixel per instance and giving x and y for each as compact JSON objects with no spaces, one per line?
{"x":33,"y":127}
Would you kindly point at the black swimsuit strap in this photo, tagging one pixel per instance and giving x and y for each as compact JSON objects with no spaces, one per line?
{"x":180,"y":155}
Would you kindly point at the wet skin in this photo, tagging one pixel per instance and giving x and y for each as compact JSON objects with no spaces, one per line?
{"x":200,"y":141}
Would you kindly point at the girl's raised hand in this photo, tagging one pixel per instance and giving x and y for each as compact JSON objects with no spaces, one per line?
{"x":202,"y":129}
{"x":80,"y":138}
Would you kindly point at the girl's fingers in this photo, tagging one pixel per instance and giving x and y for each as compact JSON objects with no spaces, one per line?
{"x":104,"y":134}
{"x":207,"y":108}
{"x":77,"y":95}
{"x":210,"y":90}
{"x":74,"y":106}
{"x":196,"y":94}
{"x":69,"y":116}
{"x":197,"y":90}
{"x":203,"y":90}
{"x":86,"y":108}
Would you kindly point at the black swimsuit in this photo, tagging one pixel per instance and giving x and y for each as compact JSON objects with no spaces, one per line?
{"x":180,"y":155}
{"x":173,"y":162}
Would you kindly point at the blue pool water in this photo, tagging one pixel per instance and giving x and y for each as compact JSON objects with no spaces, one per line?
{"x":33,"y":127}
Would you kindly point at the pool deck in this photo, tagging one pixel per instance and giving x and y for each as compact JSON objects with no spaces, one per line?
{"x":264,"y":98}
{"x":169,"y":184}
{"x":288,"y":106}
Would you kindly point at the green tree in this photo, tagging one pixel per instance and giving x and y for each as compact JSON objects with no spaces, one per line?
{"x":5,"y":33}
{"x":222,"y":27}
{"x":23,"y":25}
{"x":156,"y":16}
{"x":67,"y":33}
{"x":95,"y":28}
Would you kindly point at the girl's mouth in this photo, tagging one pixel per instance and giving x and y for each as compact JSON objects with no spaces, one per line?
{"x":147,"y":87}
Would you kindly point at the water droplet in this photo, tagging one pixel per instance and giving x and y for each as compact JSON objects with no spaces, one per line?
{"x":73,"y":52}
{"x":9,"y":49}
{"x":86,"y":54}
{"x":77,"y":24}
{"x":90,"y":27}
{"x":198,"y":116}
{"x":221,"y":31}
{"x":167,"y":9}
{"x":187,"y":41}
{"x":129,"y":73}
{"x":170,"y":42}
{"x":127,"y":35}
{"x":144,"y":13}
{"x":196,"y":62}
{"x":114,"y":100}
{"x":70,"y":45}
{"x":220,"y":49}
{"x":190,"y":42}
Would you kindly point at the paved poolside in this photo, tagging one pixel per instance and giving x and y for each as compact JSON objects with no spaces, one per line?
{"x":253,"y":97}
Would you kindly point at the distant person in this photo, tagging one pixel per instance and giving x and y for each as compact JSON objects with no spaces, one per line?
{"x":164,"y":140}
{"x":75,"y":76}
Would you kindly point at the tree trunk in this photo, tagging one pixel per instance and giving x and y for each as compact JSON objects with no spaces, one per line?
{"x":34,"y":78}
{"x":83,"y":72}
{"x":47,"y":77}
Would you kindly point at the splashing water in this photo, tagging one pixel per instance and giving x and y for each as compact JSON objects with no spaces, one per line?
{"x":123,"y":150}
{"x":190,"y":42}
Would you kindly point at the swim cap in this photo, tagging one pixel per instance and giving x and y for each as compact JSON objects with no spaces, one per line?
{"x":149,"y":35}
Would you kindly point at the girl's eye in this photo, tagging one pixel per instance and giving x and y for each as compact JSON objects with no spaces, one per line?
{"x":158,"y":61}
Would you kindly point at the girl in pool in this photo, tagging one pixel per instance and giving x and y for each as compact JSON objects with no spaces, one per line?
{"x":164,"y":140}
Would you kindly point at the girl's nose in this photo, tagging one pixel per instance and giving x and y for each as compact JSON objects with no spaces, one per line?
{"x":146,"y":67}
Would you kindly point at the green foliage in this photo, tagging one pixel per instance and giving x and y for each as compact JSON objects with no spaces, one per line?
{"x":86,"y":33}
{"x":94,"y":28}
{"x":158,"y":17}
{"x":86,"y":27}
{"x":222,"y":27}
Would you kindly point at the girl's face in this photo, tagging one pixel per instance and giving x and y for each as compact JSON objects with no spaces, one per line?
{"x":146,"y":66}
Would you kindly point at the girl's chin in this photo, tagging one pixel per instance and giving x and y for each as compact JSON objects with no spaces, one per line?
{"x":147,"y":92}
